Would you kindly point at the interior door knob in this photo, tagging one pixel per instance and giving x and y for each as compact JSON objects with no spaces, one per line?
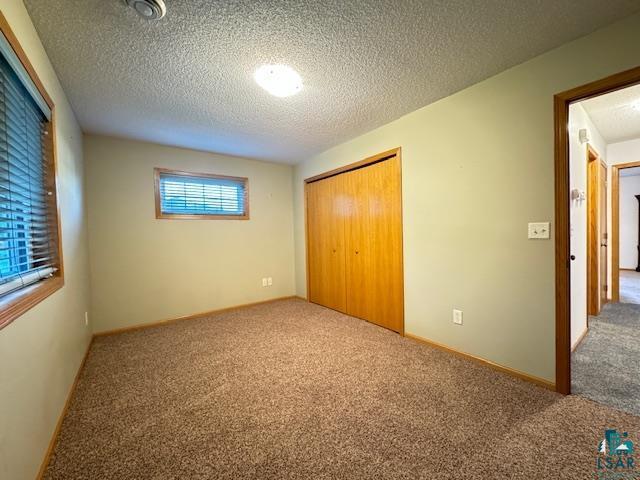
{"x":572,"y":257}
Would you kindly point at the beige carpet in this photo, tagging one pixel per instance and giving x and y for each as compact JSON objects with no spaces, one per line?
{"x":293,"y":390}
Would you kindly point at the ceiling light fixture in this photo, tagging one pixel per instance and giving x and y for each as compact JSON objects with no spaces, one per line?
{"x":278,"y":80}
{"x":148,"y":9}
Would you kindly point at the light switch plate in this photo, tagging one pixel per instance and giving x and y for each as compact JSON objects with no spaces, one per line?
{"x":457,"y":317}
{"x":539,"y":230}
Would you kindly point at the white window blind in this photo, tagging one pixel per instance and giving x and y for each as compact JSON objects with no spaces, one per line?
{"x":202,"y":195}
{"x":21,"y":73}
{"x":28,"y":226}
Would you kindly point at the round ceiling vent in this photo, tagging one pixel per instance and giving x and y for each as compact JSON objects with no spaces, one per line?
{"x":149,"y":9}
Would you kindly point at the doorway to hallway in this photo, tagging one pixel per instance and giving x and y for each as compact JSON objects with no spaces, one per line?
{"x":604,"y":215}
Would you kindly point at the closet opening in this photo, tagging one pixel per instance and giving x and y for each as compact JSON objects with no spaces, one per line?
{"x":354,"y":240}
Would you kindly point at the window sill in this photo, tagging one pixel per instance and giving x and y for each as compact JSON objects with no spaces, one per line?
{"x":180,"y":216}
{"x":18,"y":303}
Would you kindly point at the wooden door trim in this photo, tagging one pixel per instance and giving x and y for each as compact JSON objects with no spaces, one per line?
{"x":615,"y":228}
{"x":360,"y":164}
{"x":399,"y":155}
{"x":394,"y":152}
{"x":605,"y":281}
{"x":306,"y":238}
{"x":561,"y":103}
{"x":593,"y":231}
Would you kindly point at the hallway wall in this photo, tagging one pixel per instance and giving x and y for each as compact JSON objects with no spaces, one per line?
{"x":629,"y":188}
{"x":579,"y":119}
{"x":617,"y":153}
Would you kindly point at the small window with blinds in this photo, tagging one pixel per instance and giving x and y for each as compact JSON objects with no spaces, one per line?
{"x":200,"y":196}
{"x":30,"y":266}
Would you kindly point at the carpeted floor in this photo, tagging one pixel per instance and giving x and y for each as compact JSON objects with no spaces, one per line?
{"x":629,"y":286}
{"x":291,"y":390}
{"x":606,"y":365}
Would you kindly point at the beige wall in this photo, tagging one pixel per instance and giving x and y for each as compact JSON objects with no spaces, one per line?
{"x":145,"y":270}
{"x":477,"y":166}
{"x":41,"y":351}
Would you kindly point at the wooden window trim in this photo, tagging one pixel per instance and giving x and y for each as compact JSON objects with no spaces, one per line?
{"x":179,"y":216}
{"x":19,"y":302}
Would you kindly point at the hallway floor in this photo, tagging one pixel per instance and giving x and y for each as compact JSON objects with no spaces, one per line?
{"x":629,"y":286}
{"x":606,"y":365}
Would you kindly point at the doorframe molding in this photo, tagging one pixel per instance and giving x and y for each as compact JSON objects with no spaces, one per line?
{"x":615,"y":227}
{"x":380,"y":157}
{"x":561,"y":102}
{"x":593,"y":231}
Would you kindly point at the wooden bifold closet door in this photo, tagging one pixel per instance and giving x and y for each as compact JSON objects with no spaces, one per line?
{"x":354,"y":243}
{"x":326,"y":251}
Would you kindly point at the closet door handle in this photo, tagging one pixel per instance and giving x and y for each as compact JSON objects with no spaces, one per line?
{"x":357,"y":252}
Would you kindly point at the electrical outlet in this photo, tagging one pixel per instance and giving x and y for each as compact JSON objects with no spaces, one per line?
{"x":264,"y":282}
{"x":86,"y":318}
{"x":457,"y":317}
{"x":269,"y":281}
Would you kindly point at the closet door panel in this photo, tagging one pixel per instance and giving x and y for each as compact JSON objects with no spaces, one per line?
{"x":326,"y":250}
{"x":374,"y":244}
{"x":357,"y":244}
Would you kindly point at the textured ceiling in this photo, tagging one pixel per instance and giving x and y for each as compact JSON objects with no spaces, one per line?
{"x":187,"y":80}
{"x":616,"y":115}
{"x":630,"y":172}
